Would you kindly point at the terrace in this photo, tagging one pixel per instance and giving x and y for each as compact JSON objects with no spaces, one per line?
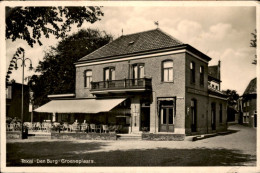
{"x":124,"y":85}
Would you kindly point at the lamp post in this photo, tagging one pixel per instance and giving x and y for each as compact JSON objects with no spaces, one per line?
{"x":30,"y":68}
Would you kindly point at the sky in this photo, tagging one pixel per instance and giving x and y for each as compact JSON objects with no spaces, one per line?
{"x":221,"y":32}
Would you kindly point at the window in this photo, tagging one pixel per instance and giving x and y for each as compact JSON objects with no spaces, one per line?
{"x":246,"y":117}
{"x":167,"y":72}
{"x":216,"y":87}
{"x":138,"y":71}
{"x":247,"y":103}
{"x":88,"y":78}
{"x":192,"y":72}
{"x":244,"y":104}
{"x":220,"y":113}
{"x":109,"y":73}
{"x":9,"y":92}
{"x":202,"y":75}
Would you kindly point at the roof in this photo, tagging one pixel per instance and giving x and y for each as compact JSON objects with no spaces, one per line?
{"x":251,"y":88}
{"x":213,"y":72}
{"x":135,"y":43}
{"x":216,"y":92}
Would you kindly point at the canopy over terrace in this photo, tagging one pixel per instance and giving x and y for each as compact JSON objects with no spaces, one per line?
{"x":80,"y":105}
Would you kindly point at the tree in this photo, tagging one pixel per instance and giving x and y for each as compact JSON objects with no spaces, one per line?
{"x":30,"y":23}
{"x":57,"y":70}
{"x":253,"y":43}
{"x":232,"y":97}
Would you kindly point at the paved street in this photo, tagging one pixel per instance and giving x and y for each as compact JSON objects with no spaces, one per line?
{"x":235,"y":149}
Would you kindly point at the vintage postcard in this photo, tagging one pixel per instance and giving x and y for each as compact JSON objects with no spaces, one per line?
{"x":129,"y":86}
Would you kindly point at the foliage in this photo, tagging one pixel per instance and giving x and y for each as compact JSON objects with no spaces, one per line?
{"x":30,"y":23}
{"x":232,"y":97}
{"x":253,"y":43}
{"x":57,"y":68}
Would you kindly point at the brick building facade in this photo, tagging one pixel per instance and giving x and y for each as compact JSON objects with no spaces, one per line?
{"x":163,"y":84}
{"x":247,"y":107}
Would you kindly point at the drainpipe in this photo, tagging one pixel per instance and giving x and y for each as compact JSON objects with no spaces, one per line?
{"x":155,"y":111}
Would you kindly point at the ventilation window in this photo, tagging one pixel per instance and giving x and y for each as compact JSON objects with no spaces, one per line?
{"x":131,"y":42}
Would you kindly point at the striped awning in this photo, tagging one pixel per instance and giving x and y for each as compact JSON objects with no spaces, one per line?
{"x":80,"y":105}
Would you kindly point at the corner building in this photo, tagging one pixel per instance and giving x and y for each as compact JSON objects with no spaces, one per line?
{"x":165,"y":85}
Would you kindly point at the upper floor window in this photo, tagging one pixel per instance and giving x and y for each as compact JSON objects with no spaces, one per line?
{"x":247,"y":103}
{"x":88,"y":78}
{"x":192,"y":72}
{"x":109,"y":73}
{"x":167,"y":72}
{"x":138,"y":71}
{"x":201,"y":75}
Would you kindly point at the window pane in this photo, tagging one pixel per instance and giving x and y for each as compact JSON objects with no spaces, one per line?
{"x":164,"y":116}
{"x":106,"y":74}
{"x":135,"y":72}
{"x":191,"y":65}
{"x":165,"y":75}
{"x":89,"y":73}
{"x":141,"y":68}
{"x":112,"y":74}
{"x":170,"y":116}
{"x":170,"y":74}
{"x":167,"y":64}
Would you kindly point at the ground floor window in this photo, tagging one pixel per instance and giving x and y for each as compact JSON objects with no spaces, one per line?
{"x":246,"y":117}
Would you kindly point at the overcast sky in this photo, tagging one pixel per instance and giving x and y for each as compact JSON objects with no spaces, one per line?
{"x":223,"y":33}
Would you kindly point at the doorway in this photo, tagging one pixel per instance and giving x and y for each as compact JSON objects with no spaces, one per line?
{"x":193,"y":115}
{"x":213,"y":116}
{"x":166,"y":116}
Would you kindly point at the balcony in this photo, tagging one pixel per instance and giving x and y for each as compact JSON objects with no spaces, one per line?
{"x":120,"y":86}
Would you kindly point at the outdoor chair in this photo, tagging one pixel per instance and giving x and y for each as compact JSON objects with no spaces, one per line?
{"x":92,"y":127}
{"x":7,"y":127}
{"x":65,"y":126}
{"x":105,"y":128}
{"x":84,"y":127}
{"x":75,"y":127}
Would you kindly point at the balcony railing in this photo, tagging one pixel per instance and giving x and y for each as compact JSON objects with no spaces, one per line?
{"x":143,"y":83}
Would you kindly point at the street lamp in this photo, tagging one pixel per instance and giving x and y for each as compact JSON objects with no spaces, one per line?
{"x":23,"y":65}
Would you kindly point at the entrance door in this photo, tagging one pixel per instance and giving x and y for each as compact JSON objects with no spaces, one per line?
{"x":213,"y":116}
{"x":255,"y":120}
{"x":193,"y":116}
{"x":166,"y":119}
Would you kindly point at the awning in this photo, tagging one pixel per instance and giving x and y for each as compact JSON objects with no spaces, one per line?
{"x":80,"y":105}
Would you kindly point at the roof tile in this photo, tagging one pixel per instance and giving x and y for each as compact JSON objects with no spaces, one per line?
{"x":134,"y":43}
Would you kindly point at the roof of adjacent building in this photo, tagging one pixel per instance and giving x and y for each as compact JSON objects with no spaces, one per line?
{"x":137,"y":43}
{"x":214,"y":72}
{"x":216,"y":92}
{"x":251,"y":88}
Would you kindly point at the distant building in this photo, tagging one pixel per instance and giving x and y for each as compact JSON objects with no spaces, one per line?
{"x":248,"y":111}
{"x":14,"y":100}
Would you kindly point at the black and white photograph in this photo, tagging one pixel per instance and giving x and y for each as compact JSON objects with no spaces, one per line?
{"x":158,"y":86}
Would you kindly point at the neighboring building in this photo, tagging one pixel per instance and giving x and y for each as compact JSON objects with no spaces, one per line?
{"x":14,"y":100}
{"x":147,"y":81}
{"x":248,"y":103}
